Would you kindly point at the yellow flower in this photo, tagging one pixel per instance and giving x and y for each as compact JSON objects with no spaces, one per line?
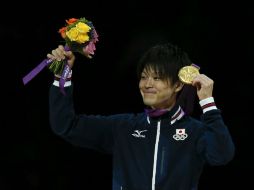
{"x":82,"y":38}
{"x":72,"y":34}
{"x":79,"y":33}
{"x":83,"y":28}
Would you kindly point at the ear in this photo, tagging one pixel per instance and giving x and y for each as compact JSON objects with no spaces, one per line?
{"x":178,"y":86}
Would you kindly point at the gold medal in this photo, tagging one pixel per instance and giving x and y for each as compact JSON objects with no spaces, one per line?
{"x":188,"y":73}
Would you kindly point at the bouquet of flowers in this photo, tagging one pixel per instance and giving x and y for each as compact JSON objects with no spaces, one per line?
{"x":79,"y":36}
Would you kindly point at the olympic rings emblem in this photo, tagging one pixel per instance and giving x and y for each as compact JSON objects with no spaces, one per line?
{"x":179,"y":137}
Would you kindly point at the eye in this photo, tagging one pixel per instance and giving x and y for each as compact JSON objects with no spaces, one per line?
{"x":156,"y":78}
{"x":143,"y":77}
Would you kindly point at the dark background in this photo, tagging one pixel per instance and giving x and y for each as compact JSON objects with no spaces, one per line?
{"x":217,"y":35}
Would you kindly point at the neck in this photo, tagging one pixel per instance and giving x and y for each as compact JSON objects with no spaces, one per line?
{"x":164,"y":107}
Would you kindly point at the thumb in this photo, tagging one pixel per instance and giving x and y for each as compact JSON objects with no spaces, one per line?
{"x":70,"y":58}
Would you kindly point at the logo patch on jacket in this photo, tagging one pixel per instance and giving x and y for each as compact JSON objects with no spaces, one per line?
{"x":137,"y":133}
{"x":180,"y":135}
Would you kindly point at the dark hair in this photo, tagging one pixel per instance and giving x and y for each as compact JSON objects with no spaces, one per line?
{"x":165,"y":59}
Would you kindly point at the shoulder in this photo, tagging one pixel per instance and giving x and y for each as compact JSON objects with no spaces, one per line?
{"x":128,"y":117}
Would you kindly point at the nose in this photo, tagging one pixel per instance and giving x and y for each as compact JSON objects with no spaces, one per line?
{"x":149,"y":82}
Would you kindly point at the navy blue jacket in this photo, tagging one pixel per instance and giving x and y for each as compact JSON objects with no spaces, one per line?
{"x":164,"y":153}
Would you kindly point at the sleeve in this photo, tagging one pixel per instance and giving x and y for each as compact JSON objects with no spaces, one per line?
{"x":215,"y":143}
{"x":90,"y":131}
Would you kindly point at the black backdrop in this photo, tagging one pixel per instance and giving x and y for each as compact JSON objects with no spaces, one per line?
{"x":217,"y":36}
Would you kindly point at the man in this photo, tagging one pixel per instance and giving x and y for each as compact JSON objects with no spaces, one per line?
{"x":159,"y":149}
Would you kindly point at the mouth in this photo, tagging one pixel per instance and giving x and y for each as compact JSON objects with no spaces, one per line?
{"x":149,"y":94}
{"x":149,"y":91}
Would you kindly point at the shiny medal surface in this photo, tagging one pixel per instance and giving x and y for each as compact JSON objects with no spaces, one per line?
{"x":188,"y":73}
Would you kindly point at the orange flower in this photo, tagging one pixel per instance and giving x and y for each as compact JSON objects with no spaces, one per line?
{"x":71,"y":20}
{"x":62,"y":31}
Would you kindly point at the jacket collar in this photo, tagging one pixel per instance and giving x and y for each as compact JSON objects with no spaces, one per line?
{"x":175,"y":114}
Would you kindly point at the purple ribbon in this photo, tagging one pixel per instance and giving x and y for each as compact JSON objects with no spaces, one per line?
{"x":42,"y":65}
{"x":155,"y":112}
{"x":36,"y":70}
{"x":65,"y":72}
{"x":64,"y":76}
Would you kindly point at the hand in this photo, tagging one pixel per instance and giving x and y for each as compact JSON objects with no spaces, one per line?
{"x":60,"y":54}
{"x":204,"y":86}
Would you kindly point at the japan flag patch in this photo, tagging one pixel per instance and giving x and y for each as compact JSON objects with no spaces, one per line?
{"x":180,"y":135}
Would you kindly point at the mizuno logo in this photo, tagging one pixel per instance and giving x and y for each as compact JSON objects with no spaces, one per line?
{"x":138,"y":134}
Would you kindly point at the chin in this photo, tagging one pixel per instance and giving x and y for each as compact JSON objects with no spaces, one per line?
{"x":148,"y":103}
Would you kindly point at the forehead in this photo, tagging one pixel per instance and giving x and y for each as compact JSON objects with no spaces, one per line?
{"x":150,"y":70}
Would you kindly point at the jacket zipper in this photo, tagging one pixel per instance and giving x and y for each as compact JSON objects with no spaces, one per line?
{"x":155,"y":154}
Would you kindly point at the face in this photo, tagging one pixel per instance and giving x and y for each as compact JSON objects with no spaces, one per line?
{"x":158,"y":93}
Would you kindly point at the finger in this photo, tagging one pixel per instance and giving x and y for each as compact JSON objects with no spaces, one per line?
{"x":50,"y":56}
{"x":196,"y":81}
{"x":61,"y":47}
{"x":206,"y":81}
{"x":201,"y":79}
{"x":69,"y":54}
{"x":59,"y":54}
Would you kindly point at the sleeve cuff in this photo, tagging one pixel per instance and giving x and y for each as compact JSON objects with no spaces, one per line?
{"x":207,"y":104}
{"x":66,"y":84}
{"x":67,"y":81}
